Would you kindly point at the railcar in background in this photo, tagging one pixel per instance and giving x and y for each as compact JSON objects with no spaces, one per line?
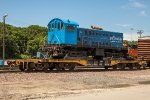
{"x":144,"y":49}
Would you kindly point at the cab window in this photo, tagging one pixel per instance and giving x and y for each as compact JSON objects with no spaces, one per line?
{"x":52,"y":26}
{"x":86,"y":33}
{"x":62,"y":25}
{"x":58,"y":26}
{"x":70,"y":28}
{"x":49,"y":27}
{"x":55,"y":24}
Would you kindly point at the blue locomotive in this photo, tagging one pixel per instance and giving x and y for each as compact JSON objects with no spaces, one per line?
{"x":66,"y":39}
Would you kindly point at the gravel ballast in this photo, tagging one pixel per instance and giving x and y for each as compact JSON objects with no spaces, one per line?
{"x":21,"y":85}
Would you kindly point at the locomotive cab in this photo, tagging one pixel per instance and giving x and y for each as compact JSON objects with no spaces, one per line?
{"x":62,"y":32}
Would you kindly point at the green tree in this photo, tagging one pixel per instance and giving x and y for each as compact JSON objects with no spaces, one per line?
{"x":22,"y":42}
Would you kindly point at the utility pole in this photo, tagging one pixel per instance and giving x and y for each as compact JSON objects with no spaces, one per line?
{"x":4,"y":36}
{"x":131,"y":33}
{"x":140,"y":32}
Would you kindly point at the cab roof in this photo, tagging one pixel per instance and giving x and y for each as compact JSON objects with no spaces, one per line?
{"x":68,"y":22}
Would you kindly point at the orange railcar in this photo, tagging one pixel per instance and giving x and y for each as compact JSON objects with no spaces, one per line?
{"x":133,"y":52}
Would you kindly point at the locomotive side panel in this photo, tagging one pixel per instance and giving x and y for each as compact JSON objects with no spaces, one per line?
{"x":99,"y":38}
{"x":71,"y":34}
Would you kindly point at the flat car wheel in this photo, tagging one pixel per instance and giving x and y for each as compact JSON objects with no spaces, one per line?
{"x":58,"y":67}
{"x":71,"y":67}
{"x":31,"y":66}
{"x":21,"y":68}
{"x":39,"y":67}
{"x":122,"y":66}
{"x":130,"y":66}
{"x":138,"y":66}
{"x":46,"y":66}
{"x":51,"y":66}
{"x":106,"y":67}
{"x":115,"y":67}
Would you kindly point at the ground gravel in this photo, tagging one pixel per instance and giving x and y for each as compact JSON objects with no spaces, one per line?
{"x":29,"y":84}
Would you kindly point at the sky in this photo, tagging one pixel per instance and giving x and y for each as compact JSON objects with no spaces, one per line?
{"x":125,"y":16}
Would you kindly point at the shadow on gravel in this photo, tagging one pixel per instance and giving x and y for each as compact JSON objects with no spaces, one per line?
{"x":88,"y":70}
{"x":66,"y":71}
{"x":144,"y":82}
{"x":9,"y":71}
{"x":120,"y":86}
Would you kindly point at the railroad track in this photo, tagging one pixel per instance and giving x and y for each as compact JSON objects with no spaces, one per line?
{"x":77,"y":69}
